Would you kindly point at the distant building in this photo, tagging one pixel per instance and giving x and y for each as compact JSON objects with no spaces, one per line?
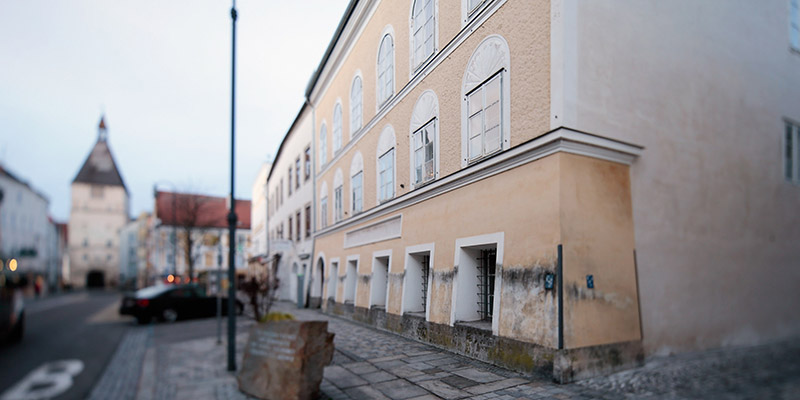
{"x":26,"y":232}
{"x":205,"y":219}
{"x":291,"y":225}
{"x":128,"y":254}
{"x":258,"y":220}
{"x":99,"y":210}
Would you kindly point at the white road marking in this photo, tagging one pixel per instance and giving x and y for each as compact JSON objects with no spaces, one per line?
{"x":48,"y":381}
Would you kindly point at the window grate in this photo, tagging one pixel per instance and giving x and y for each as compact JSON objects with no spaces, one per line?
{"x":425,"y":265}
{"x":486,"y":271}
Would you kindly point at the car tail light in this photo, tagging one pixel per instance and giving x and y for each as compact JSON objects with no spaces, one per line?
{"x":142,"y":302}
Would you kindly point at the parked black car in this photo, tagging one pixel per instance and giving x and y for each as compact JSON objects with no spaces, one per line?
{"x":170,"y":303}
{"x":12,"y":307}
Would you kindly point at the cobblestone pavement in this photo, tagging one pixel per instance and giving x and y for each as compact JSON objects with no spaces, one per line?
{"x":122,"y":374}
{"x":372,"y":364}
{"x":762,"y":372}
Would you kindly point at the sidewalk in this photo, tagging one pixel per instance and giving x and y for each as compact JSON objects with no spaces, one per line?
{"x":371,"y":364}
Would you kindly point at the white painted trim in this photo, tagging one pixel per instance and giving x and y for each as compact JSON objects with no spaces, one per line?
{"x":375,"y":256}
{"x":503,"y":67}
{"x":374,"y":239}
{"x":350,"y":35}
{"x":361,"y":123}
{"x":332,"y":261}
{"x":417,"y":122}
{"x":381,"y":148}
{"x":451,"y":46}
{"x":314,"y":273}
{"x":412,"y":68}
{"x":338,"y":103}
{"x":430,"y":248}
{"x":381,"y":103}
{"x":497,"y":239}
{"x":356,"y":258}
{"x":561,"y":140}
{"x":466,"y":16}
{"x":563,"y":62}
{"x":323,"y":125}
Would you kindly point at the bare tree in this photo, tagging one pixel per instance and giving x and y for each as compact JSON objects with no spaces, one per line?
{"x":261,"y":290}
{"x":193,"y":217}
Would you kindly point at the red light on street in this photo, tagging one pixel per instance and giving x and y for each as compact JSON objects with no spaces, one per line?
{"x":142,"y":302}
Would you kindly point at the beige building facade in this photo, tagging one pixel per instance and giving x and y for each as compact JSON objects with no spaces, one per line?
{"x":535,"y":184}
{"x":99,"y":211}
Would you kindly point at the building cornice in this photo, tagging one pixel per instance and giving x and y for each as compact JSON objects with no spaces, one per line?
{"x":562,"y":139}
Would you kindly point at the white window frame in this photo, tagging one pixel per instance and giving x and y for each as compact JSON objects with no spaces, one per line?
{"x":338,"y":196}
{"x":790,"y":152}
{"x":426,"y":110}
{"x":412,"y":290}
{"x":323,"y":214}
{"x":323,"y":144}
{"x":490,"y":60}
{"x":386,"y":142}
{"x":419,"y":152}
{"x":462,"y":293}
{"x":337,"y":127}
{"x":390,"y":155}
{"x":414,"y":61}
{"x":356,"y":105}
{"x":323,"y":205}
{"x":385,"y":69}
{"x":338,"y":193}
{"x":479,"y":94}
{"x":357,"y":192}
{"x":467,"y":12}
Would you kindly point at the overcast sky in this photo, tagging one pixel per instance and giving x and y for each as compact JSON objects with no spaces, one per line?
{"x":160,"y":71}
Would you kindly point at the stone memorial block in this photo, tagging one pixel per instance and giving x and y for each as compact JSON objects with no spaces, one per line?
{"x":285,"y":359}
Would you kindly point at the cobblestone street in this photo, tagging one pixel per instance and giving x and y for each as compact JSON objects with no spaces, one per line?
{"x":371,"y":364}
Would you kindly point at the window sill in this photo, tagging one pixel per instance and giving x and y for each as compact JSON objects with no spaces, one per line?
{"x":423,"y":184}
{"x":415,"y":314}
{"x":485,"y":326}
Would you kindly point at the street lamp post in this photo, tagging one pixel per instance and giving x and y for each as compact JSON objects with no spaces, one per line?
{"x":232,"y":213}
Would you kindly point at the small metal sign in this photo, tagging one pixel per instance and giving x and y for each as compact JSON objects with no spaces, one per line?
{"x":548,"y":281}
{"x":590,"y":281}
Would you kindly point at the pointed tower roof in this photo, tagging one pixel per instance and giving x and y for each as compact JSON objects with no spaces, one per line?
{"x":100,"y":168}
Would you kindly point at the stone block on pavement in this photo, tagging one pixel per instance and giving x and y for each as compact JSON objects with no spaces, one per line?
{"x":284,"y":360}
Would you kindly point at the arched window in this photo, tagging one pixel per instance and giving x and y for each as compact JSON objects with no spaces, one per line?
{"x":386,"y":162}
{"x":323,"y":205}
{"x":385,"y":69}
{"x":337,"y":127}
{"x":424,"y":139}
{"x":357,"y":184}
{"x":485,"y":109}
{"x":356,"y":109}
{"x":423,"y":31}
{"x":338,"y":196}
{"x":323,"y":145}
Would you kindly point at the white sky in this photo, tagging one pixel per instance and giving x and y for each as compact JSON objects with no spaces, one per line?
{"x":160,"y":70}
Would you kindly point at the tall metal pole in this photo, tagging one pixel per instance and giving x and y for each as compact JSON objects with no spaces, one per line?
{"x":232,"y":213}
{"x":219,"y":289}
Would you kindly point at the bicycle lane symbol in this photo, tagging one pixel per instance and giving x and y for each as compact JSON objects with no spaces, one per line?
{"x":49,"y":380}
